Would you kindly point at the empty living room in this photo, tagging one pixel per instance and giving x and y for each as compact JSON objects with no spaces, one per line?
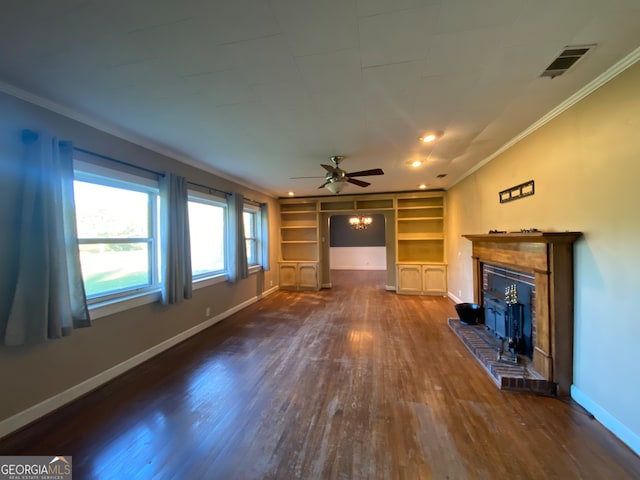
{"x":275,"y":239}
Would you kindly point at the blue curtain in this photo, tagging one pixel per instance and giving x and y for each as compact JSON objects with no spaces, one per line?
{"x":239,"y":267}
{"x":264,"y":235}
{"x":49,"y":299}
{"x":175,"y":242}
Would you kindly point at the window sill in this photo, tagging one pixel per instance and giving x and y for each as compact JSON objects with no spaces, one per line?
{"x":208,"y":281}
{"x":110,"y":307}
{"x":104,"y":309}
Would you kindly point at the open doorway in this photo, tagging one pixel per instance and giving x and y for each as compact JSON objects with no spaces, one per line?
{"x":358,"y":253}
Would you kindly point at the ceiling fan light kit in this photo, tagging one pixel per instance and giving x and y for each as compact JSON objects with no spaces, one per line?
{"x":336,"y":186}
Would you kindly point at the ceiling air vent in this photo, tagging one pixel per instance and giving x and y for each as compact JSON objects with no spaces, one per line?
{"x":566,"y":60}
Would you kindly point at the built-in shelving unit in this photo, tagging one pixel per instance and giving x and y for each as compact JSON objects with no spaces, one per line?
{"x":420,"y":244}
{"x":299,"y":247}
{"x":419,"y":238}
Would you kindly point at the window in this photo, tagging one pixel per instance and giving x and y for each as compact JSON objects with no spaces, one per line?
{"x":207,"y":228}
{"x":251,"y":224}
{"x":117,"y":221}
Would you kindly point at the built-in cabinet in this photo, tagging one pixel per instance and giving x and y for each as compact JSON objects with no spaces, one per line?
{"x":299,"y":245}
{"x":419,"y":242}
{"x":420,"y":260}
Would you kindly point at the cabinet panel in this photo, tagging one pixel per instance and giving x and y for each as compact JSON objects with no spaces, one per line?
{"x":422,"y":279}
{"x":299,"y":276}
{"x":288,"y":275}
{"x":308,"y":276}
{"x":434,"y":279}
{"x":409,"y":279}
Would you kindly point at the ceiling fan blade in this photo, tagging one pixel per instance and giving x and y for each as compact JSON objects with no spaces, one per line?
{"x":360,"y":183}
{"x":328,"y":168}
{"x":296,"y":178}
{"x":324,"y":185}
{"x":365,"y":173}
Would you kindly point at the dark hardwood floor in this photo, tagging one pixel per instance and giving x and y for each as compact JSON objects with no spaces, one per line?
{"x":348,"y":383}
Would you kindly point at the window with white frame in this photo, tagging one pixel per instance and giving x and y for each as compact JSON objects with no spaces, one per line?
{"x":251,"y":217}
{"x":117,"y":221}
{"x":207,"y":229}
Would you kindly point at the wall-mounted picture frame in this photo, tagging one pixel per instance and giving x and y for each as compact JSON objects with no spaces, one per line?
{"x":525,"y":189}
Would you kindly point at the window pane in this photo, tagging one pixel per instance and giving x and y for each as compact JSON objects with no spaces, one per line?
{"x":114,"y":266}
{"x":248,"y":224}
{"x":250,"y":252}
{"x":110,"y":212}
{"x":206,"y":229}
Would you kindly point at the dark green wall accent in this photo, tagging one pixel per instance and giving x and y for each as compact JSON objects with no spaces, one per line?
{"x":342,"y":235}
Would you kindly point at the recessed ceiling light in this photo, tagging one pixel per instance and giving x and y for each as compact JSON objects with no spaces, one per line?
{"x":291,"y":194}
{"x":416,"y":163}
{"x":430,"y":137}
{"x":422,"y":186}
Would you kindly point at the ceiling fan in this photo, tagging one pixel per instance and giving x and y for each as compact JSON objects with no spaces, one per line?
{"x":336,"y":178}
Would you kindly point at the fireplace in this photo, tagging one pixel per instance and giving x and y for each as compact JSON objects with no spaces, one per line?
{"x":525,"y":283}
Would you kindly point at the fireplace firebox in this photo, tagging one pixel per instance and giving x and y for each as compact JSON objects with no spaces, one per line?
{"x":508,"y":297}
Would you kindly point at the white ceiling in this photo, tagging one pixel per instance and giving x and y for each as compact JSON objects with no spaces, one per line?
{"x":265,"y":90}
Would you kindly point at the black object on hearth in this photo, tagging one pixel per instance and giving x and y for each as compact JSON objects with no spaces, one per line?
{"x":470,"y":313}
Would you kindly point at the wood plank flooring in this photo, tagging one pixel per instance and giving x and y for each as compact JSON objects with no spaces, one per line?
{"x":348,"y":383}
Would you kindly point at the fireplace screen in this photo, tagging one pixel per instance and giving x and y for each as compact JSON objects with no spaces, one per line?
{"x":509,"y":302}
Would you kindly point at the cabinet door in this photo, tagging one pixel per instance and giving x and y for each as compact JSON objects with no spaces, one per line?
{"x":288,"y":275}
{"x":409,"y":279}
{"x":308,"y":276}
{"x":434,"y":279}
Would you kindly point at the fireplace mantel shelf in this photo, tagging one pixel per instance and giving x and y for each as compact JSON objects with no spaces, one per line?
{"x":525,"y":237}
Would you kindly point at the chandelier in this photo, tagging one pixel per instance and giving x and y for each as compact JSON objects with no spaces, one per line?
{"x":359,"y":222}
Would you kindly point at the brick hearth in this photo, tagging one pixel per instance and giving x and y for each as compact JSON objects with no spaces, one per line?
{"x":485,"y":347}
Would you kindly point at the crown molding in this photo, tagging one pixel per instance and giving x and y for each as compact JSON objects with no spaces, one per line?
{"x":123,"y":134}
{"x":588,"y":89}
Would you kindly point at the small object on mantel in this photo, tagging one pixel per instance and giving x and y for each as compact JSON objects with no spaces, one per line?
{"x":497,"y":231}
{"x":529,"y":230}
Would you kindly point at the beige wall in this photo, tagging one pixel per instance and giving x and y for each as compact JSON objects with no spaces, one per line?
{"x":586,"y":167}
{"x":30,"y":375}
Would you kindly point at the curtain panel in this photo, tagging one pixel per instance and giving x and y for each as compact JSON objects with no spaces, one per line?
{"x":49,"y":299}
{"x":175,"y":241}
{"x":264,"y":235}
{"x":239,"y":267}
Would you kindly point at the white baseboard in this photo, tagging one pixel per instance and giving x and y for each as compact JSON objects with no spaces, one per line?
{"x":631,"y":439}
{"x":268,"y":292}
{"x":454,"y":298}
{"x":390,"y":288}
{"x":47,"y":406}
{"x":359,"y":267}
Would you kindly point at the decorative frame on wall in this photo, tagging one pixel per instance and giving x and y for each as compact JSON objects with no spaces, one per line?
{"x":525,"y":189}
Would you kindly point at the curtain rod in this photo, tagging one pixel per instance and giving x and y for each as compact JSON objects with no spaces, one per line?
{"x":154,"y":172}
{"x":206,"y":187}
{"x":121,"y":162}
